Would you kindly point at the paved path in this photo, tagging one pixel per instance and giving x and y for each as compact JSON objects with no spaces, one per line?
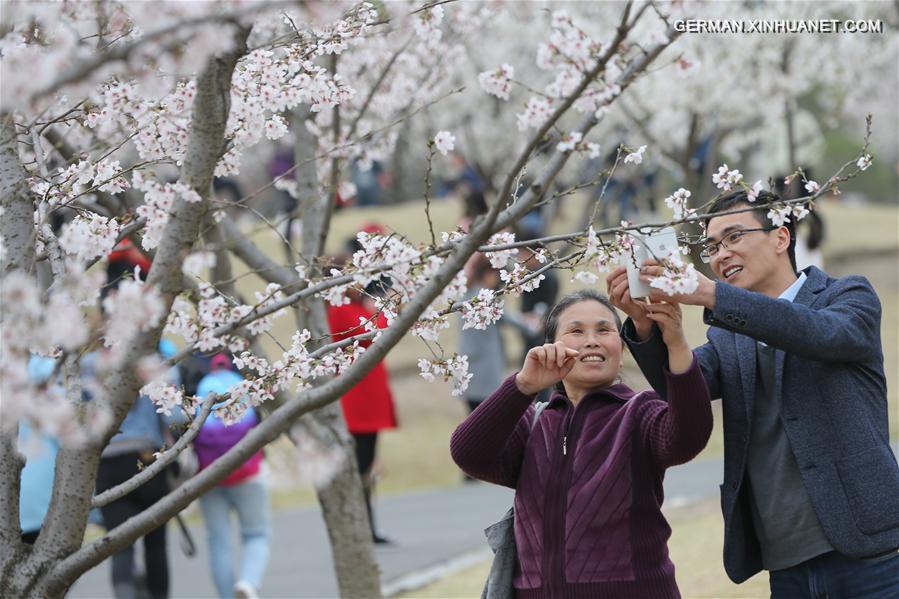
{"x":431,"y":529}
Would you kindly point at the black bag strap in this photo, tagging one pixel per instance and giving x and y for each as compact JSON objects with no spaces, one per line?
{"x":187,"y":541}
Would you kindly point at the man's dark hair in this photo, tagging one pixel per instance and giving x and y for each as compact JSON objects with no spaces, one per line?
{"x":760,"y":208}
{"x":551,"y":324}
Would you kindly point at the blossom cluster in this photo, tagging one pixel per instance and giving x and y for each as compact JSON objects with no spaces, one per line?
{"x":573,"y":141}
{"x":498,"y":82}
{"x":678,"y":275}
{"x":482,"y":311}
{"x":454,"y":369}
{"x":501,"y":258}
{"x":679,"y":202}
{"x":570,"y":53}
{"x":160,"y":126}
{"x":427,"y":24}
{"x":131,"y":308}
{"x":214,"y":311}
{"x":159,"y":200}
{"x":600,"y":255}
{"x":752,"y":193}
{"x":519,"y":279}
{"x":89,"y":237}
{"x":165,"y":396}
{"x":635,"y":157}
{"x":444,"y":141}
{"x":391,"y":252}
{"x":196,"y":262}
{"x":32,"y":323}
{"x":780,"y":215}
{"x":78,"y":178}
{"x":726,"y":179}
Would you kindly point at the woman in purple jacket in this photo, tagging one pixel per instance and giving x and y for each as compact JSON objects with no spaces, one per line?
{"x":588,"y":474}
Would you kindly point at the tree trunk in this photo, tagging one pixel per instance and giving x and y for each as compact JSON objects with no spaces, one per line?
{"x":341,"y":497}
{"x":37,"y":572}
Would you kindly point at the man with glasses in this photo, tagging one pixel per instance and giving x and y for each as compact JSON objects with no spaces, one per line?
{"x":811,"y":486}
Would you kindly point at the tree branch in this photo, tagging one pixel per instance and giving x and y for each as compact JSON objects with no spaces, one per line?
{"x":17,"y":220}
{"x":374,"y":89}
{"x":16,"y":235}
{"x":256,"y":259}
{"x":162,"y":461}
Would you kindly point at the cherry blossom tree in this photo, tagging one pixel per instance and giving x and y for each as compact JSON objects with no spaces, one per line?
{"x":764,"y":101}
{"x":122,"y":114}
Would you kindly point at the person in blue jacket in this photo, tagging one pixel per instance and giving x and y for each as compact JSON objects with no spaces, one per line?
{"x":140,"y":436}
{"x":243,"y":492}
{"x":36,"y":486}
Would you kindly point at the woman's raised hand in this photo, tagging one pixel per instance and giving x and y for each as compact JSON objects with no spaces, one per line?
{"x":669,"y":317}
{"x":545,"y":366}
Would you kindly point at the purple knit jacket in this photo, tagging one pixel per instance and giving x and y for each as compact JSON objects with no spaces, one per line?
{"x":588,"y":482}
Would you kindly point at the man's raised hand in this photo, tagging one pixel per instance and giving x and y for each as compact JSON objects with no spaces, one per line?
{"x":620,"y":295}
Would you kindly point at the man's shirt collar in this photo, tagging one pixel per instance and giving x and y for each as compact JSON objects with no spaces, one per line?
{"x":790,"y":292}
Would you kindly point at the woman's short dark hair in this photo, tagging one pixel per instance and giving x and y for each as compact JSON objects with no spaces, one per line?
{"x":759,"y":211}
{"x":551,"y":324}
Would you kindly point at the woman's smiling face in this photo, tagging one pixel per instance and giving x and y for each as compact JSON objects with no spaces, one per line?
{"x":590,"y":328}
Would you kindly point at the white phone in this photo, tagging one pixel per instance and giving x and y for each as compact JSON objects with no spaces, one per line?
{"x":655,"y":245}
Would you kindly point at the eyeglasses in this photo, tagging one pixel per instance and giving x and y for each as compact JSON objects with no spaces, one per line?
{"x":710,"y":249}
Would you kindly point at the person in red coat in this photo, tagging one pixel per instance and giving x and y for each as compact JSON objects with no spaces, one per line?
{"x":367,"y":407}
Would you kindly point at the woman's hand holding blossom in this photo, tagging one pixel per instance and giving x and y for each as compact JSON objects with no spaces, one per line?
{"x":545,"y":366}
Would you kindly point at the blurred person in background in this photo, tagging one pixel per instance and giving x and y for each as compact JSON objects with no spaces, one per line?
{"x":36,"y":486}
{"x":370,"y":179}
{"x":368,"y":407}
{"x":141,"y":435}
{"x":243,"y":492}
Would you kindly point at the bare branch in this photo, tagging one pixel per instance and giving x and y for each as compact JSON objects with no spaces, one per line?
{"x":374,"y":89}
{"x":430,"y":5}
{"x":162,"y":461}
{"x":255,"y":258}
{"x":428,"y":193}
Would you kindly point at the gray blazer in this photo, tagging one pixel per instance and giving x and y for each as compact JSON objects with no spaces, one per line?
{"x":834,"y":407}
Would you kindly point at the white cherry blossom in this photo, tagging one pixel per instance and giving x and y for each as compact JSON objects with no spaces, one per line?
{"x":444,"y":141}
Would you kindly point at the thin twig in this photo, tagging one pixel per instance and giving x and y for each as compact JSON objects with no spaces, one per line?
{"x":431,"y":152}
